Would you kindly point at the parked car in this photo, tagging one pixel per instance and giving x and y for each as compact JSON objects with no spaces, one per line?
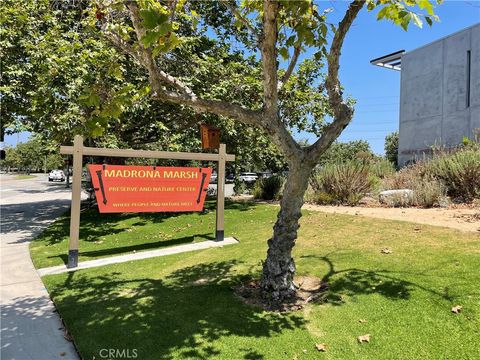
{"x":248,"y":177}
{"x":213,"y":178}
{"x":230,"y":179}
{"x":265,"y":174}
{"x":56,"y":175}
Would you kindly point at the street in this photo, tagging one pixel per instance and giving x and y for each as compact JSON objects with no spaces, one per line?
{"x":228,"y":189}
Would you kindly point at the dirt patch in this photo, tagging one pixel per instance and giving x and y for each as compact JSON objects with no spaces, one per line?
{"x":464,"y":217}
{"x":456,"y":217}
{"x":309,"y":288}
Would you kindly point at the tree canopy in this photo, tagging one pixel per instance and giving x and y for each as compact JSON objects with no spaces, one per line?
{"x":32,"y":155}
{"x":391,"y":147}
{"x":60,"y":77}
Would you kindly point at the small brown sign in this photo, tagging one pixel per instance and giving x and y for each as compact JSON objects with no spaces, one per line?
{"x":210,"y":137}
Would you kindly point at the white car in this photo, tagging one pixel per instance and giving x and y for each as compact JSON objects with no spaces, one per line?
{"x":248,"y":177}
{"x":213,"y":178}
{"x":56,"y":175}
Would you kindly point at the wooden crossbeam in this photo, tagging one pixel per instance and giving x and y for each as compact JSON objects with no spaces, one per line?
{"x":147,"y":154}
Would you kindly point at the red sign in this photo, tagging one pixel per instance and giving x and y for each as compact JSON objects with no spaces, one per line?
{"x":120,"y":188}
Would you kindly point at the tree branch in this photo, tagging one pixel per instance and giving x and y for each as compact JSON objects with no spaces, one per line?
{"x":222,"y":108}
{"x":236,"y":12}
{"x":333,"y":84}
{"x":121,"y":44}
{"x":268,"y":121}
{"x":146,"y":57}
{"x":291,"y":66}
{"x":272,"y":123}
{"x":172,"y":7}
{"x":186,"y":96}
{"x":342,"y":111}
{"x":269,"y":58}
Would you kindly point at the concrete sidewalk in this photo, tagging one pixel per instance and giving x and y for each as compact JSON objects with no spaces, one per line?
{"x":138,"y":256}
{"x":30,"y":327}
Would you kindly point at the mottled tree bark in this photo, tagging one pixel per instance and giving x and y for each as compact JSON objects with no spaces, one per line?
{"x":279,"y":266}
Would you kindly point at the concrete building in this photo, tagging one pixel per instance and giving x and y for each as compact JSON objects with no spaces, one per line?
{"x":439,"y":93}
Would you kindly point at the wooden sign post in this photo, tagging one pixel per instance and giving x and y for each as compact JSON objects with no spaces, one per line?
{"x":222,"y":157}
{"x":78,"y":151}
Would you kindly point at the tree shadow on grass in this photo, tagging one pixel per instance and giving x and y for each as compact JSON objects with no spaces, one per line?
{"x":94,"y":225}
{"x":139,"y":247}
{"x":180,"y":316}
{"x":354,"y":281}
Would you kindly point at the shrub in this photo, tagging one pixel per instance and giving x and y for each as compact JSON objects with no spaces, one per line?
{"x":319,"y":197}
{"x":429,"y":193}
{"x":240,"y":188}
{"x":343,"y":183}
{"x":268,"y":188}
{"x":382,"y":168}
{"x":406,"y":178}
{"x":459,"y":171}
{"x":427,"y":190}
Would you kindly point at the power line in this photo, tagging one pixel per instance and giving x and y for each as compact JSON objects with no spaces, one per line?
{"x":376,"y":111}
{"x":384,"y":104}
{"x":362,"y":138}
{"x":372,"y":123}
{"x":365,"y":131}
{"x":377,"y":97}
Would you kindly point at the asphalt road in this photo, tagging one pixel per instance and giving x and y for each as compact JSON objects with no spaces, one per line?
{"x":228,"y":189}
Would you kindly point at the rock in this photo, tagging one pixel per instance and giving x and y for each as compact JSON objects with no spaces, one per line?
{"x":399,"y":197}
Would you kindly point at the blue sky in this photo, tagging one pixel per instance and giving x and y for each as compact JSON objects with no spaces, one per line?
{"x":376,"y":89}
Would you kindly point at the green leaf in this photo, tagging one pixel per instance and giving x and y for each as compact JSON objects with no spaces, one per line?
{"x":114,"y":110}
{"x":173,"y":41}
{"x":283,"y":53}
{"x":91,"y":99}
{"x":309,"y":38}
{"x":97,"y":131}
{"x":150,"y":38}
{"x":382,"y":13}
{"x":427,"y":5}
{"x":417,"y":21}
{"x":323,"y":30}
{"x":406,"y":21}
{"x":164,"y":29}
{"x":151,"y":18}
{"x":290,"y":41}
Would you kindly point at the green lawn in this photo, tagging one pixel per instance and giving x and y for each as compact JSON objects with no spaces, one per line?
{"x":103,"y":235}
{"x":182,"y":306}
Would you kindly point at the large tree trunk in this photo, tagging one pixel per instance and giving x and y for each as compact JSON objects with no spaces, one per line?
{"x":279,"y":267}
